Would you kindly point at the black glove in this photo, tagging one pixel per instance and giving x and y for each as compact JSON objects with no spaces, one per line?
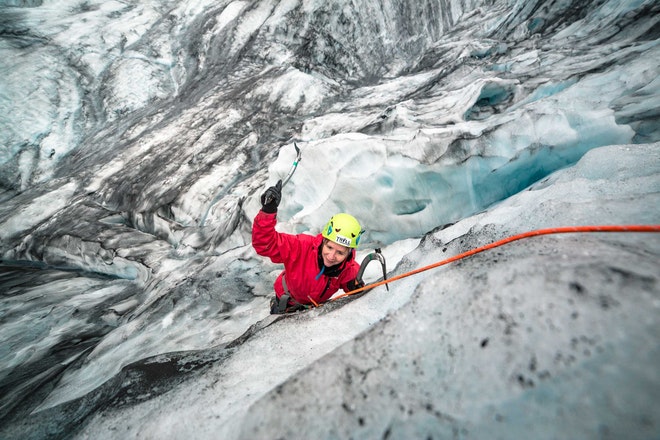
{"x":270,"y":200}
{"x":354,"y":284}
{"x":275,"y":306}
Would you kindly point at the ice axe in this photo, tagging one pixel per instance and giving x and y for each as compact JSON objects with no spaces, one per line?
{"x":291,"y":171}
{"x":377,"y":255}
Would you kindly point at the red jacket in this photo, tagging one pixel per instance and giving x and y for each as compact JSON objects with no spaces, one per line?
{"x":300,"y":256}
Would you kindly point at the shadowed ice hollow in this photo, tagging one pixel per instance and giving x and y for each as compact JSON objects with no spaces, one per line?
{"x":136,"y":139}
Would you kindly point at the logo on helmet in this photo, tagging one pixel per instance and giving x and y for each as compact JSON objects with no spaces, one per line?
{"x":343,"y":240}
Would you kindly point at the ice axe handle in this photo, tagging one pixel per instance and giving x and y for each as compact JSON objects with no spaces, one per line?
{"x":280,"y":184}
{"x":272,"y":193}
{"x":294,"y":166}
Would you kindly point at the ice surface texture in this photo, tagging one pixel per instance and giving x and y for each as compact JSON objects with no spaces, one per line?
{"x":136,"y":138}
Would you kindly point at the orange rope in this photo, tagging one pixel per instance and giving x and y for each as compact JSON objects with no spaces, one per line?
{"x":548,"y":231}
{"x":312,"y":300}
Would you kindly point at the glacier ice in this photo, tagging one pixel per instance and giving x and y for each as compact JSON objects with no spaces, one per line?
{"x":136,"y":138}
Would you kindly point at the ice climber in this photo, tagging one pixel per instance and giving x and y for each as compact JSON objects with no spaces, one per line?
{"x":315,"y":267}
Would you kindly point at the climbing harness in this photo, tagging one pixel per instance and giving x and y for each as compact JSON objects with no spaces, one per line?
{"x":281,"y":305}
{"x":548,"y":231}
{"x":283,"y":301}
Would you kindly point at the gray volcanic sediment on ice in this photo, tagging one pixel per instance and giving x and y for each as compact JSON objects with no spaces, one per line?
{"x":136,"y":139}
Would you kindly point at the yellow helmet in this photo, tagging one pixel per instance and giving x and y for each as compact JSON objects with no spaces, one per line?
{"x":343,"y":229}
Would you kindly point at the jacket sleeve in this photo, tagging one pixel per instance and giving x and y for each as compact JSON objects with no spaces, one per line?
{"x":348,"y":274}
{"x":267,"y":242}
